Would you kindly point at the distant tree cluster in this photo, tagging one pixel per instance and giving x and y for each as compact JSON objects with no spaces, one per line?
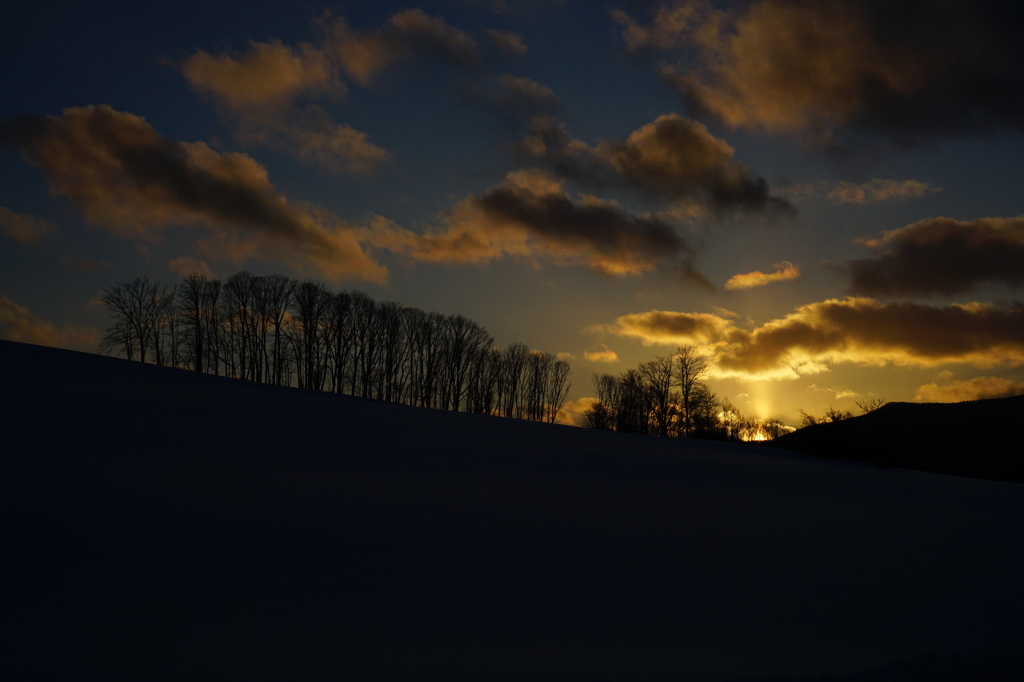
{"x":667,"y":396}
{"x":276,"y":330}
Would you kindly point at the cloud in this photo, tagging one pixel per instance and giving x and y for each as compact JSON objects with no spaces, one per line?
{"x":408,"y":35}
{"x":860,"y":331}
{"x":978,"y":388}
{"x":515,"y":99}
{"x":128,"y":178}
{"x":507,"y":42}
{"x":919,"y":69}
{"x":531,"y":215}
{"x":672,"y":157}
{"x":878,"y":189}
{"x":662,"y":327}
{"x":268,"y":76}
{"x":601,"y":355}
{"x":572,"y":411}
{"x":22,"y":227}
{"x":257,"y":91}
{"x":873,"y":191}
{"x":17,"y":323}
{"x":941,"y":256}
{"x":783,"y":271}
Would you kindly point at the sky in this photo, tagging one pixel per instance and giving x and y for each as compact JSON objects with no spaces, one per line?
{"x":823,"y":197}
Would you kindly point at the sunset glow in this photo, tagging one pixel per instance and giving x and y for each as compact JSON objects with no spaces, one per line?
{"x":822,"y":198}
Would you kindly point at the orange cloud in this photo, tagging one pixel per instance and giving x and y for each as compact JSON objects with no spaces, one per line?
{"x":268,"y":75}
{"x":128,"y":178}
{"x":859,"y":331}
{"x":532,"y":216}
{"x":672,"y":157}
{"x":669,"y":328}
{"x":942,"y":256}
{"x":22,"y":227}
{"x":783,"y":271}
{"x":789,"y":65}
{"x":601,"y":355}
{"x":572,"y":411}
{"x":978,"y":388}
{"x":17,"y":323}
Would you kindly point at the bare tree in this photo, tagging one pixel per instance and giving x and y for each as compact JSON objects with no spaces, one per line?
{"x":138,"y":307}
{"x":690,"y":370}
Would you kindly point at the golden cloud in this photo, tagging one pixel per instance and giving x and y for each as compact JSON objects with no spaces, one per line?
{"x":978,"y":388}
{"x":22,"y":227}
{"x":942,"y":256}
{"x":788,"y":65}
{"x":601,"y":355}
{"x":860,"y":331}
{"x":783,"y":271}
{"x":17,"y":323}
{"x":532,"y":216}
{"x":672,"y":157}
{"x":128,"y":178}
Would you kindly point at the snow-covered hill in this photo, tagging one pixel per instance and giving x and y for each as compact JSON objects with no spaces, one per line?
{"x":162,"y":525}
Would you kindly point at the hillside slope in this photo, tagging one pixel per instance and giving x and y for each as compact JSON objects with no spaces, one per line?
{"x":162,"y":525}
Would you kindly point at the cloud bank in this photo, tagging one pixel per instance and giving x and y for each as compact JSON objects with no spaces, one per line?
{"x":671,"y":158}
{"x":531,"y":215}
{"x":949,"y":390}
{"x":941,"y":256}
{"x":131,"y":180}
{"x":907,"y":70}
{"x":860,"y":331}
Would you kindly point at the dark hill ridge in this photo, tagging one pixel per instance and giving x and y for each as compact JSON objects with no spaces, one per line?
{"x":162,"y":525}
{"x":979,"y":438}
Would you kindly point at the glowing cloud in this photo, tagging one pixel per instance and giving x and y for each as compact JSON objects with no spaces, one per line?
{"x":860,"y":331}
{"x":941,"y":256}
{"x":128,"y":178}
{"x":22,"y":227}
{"x":601,"y":356}
{"x":949,"y":390}
{"x":672,"y":157}
{"x":787,"y":65}
{"x":784,"y":271}
{"x":532,"y":216}
{"x":17,"y":323}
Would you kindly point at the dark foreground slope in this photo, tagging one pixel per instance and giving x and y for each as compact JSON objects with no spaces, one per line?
{"x":160,"y":525}
{"x":980,"y":438}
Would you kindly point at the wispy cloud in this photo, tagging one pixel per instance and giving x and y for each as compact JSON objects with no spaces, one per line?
{"x":128,"y":178}
{"x":790,"y":65}
{"x":22,"y":227}
{"x":941,"y":256}
{"x":860,"y":331}
{"x":784,"y":271}
{"x":873,"y":191}
{"x":18,"y":323}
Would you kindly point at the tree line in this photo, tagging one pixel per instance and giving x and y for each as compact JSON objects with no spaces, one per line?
{"x":667,"y":396}
{"x":276,"y":330}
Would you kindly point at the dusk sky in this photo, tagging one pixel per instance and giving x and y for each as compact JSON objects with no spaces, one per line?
{"x":824,"y":196}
